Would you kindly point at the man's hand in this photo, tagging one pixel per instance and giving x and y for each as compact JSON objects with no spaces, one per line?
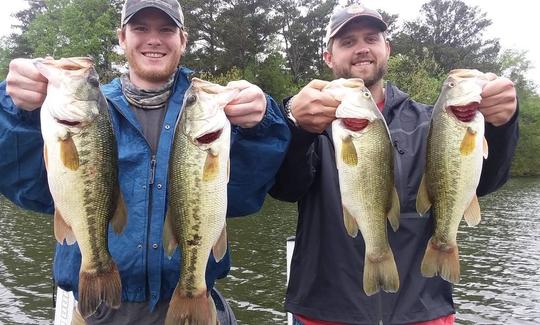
{"x":314,"y":110}
{"x":248,"y":107}
{"x":499,"y":100}
{"x":25,"y":85}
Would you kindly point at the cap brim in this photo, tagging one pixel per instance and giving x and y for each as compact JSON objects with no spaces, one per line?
{"x":376,"y":21}
{"x":139,"y":8}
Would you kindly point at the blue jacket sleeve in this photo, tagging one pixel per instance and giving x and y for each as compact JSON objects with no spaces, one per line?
{"x":24,"y":179}
{"x":256,"y":155}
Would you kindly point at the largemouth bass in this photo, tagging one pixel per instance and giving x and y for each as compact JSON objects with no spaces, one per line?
{"x":364,"y":159}
{"x":198,"y":177}
{"x":81,"y":161}
{"x":455,"y":151}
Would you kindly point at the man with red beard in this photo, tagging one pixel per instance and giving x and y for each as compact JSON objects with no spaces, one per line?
{"x":144,"y":105}
{"x":325,"y":284}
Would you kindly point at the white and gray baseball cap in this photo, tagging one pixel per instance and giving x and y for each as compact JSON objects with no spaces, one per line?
{"x":170,"y":7}
{"x":343,"y":16}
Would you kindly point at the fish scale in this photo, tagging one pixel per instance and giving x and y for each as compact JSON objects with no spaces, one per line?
{"x":364,"y":159}
{"x":197,"y":198}
{"x":454,"y":157}
{"x":81,"y":162}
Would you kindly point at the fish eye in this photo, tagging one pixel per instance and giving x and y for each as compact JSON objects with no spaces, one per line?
{"x":93,"y":82}
{"x":190,"y":100}
{"x":451,"y":84}
{"x":367,"y":94}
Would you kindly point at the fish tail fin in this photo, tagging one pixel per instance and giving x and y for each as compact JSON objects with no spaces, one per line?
{"x":197,"y":309}
{"x":95,"y":287}
{"x":443,"y":259}
{"x":380,"y":272}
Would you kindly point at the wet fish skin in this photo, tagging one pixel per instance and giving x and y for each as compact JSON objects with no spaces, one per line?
{"x":364,"y":158}
{"x":198,"y":177}
{"x":455,"y":151}
{"x":80,"y":157}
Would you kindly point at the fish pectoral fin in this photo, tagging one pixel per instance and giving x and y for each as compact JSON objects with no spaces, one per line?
{"x":393,"y":213}
{"x":169,"y":239}
{"x":423,"y":202}
{"x":348,"y":152}
{"x":119,"y":218}
{"x":468,"y":143}
{"x":220,"y":247}
{"x":486,"y":149}
{"x":472,"y":213}
{"x":69,"y":154}
{"x":62,"y":230}
{"x":211,"y":167}
{"x":350,"y":223}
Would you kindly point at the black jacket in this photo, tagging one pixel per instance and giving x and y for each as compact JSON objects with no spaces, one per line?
{"x":326,"y":270}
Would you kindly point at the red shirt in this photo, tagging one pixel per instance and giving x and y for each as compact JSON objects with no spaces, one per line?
{"x":445,"y":320}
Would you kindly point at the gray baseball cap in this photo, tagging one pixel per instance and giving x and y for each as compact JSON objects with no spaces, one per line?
{"x":343,"y":16}
{"x":170,"y":7}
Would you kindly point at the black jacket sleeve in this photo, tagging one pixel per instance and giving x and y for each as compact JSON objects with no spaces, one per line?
{"x":502,"y":142}
{"x":298,"y":169}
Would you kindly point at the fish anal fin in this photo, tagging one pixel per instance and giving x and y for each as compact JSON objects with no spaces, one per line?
{"x":423,"y":202}
{"x":69,"y":154}
{"x":211,"y":167}
{"x":468,"y":143}
{"x":472,"y":213}
{"x":350,"y":223}
{"x":393,"y":213}
{"x":220,"y":247}
{"x":62,"y":231}
{"x":348,"y":152}
{"x":169,"y":239}
{"x":119,"y":218}
{"x":485,"y":148}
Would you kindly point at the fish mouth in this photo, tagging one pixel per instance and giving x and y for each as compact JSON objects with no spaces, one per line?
{"x":68,"y":123}
{"x":209,"y":137}
{"x":355,"y":124}
{"x":465,"y":113}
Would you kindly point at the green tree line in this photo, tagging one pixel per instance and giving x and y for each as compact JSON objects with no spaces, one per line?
{"x":279,"y":44}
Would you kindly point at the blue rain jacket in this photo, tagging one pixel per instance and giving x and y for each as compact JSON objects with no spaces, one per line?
{"x":147,"y":274}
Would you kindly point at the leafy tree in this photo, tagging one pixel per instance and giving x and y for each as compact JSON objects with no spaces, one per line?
{"x":416,"y":77}
{"x":302,"y":26}
{"x":526,"y":161}
{"x":451,"y":32}
{"x":69,"y":28}
{"x":514,"y":65}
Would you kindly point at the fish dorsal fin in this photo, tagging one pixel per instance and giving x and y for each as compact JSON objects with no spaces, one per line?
{"x":69,"y":154}
{"x":62,"y":230}
{"x":119,"y":218}
{"x":393,"y":213}
{"x":423,"y":202}
{"x":169,"y":239}
{"x":220,"y":247}
{"x":350,"y":223}
{"x":348,"y":152}
{"x":486,"y":149}
{"x":468,"y":143}
{"x":472,"y":213}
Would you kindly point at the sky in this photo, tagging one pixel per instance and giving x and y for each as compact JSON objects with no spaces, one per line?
{"x":515,"y":23}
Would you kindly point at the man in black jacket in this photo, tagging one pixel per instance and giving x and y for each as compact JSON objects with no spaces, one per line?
{"x":325,"y":285}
